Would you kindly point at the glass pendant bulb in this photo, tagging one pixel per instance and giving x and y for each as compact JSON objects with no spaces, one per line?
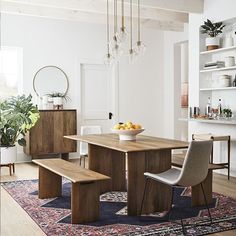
{"x":140,"y":48}
{"x":132,"y":56}
{"x":117,"y":51}
{"x":123,"y":35}
{"x":109,"y":60}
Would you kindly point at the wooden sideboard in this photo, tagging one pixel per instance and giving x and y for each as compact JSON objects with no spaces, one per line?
{"x":46,"y":137}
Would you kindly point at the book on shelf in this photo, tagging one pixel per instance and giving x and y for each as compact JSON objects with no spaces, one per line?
{"x":214,"y":64}
{"x":212,"y":67}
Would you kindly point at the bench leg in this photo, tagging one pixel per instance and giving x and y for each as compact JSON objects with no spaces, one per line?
{"x":197,"y":195}
{"x":84,"y":202}
{"x":50,"y":184}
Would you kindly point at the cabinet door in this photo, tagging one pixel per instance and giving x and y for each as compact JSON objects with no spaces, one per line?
{"x":41,"y":135}
{"x":64,"y":124}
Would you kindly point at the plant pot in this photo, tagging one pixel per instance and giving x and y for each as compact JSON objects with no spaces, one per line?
{"x":8,"y":155}
{"x":57,"y":103}
{"x":212,"y":43}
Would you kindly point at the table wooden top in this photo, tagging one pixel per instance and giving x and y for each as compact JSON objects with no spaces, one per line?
{"x":70,"y":171}
{"x":142,"y":143}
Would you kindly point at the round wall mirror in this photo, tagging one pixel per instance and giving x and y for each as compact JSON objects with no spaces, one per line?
{"x":50,"y":79}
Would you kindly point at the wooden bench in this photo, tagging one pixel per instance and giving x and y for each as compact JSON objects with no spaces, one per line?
{"x":197,"y":196}
{"x":85,"y":190}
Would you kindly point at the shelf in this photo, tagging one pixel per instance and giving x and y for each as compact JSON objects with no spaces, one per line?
{"x":218,"y":50}
{"x":218,"y":69}
{"x":220,"y":121}
{"x":213,"y":89}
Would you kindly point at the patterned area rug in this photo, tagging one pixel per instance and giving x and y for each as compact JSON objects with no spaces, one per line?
{"x":53,"y":215}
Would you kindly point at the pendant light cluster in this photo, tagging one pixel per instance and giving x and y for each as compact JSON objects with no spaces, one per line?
{"x":116,"y":46}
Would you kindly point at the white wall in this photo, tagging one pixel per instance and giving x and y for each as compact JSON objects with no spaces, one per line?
{"x":65,"y":43}
{"x":141,"y":86}
{"x":217,"y":10}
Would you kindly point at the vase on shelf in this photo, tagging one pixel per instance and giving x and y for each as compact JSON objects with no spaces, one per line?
{"x":57,"y":103}
{"x":212,"y":43}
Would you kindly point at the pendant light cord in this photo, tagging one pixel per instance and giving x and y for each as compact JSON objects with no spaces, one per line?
{"x":139,"y":31}
{"x":115,"y":18}
{"x":0,"y":25}
{"x":108,"y":38}
{"x":123,"y":15}
{"x":131,"y":25}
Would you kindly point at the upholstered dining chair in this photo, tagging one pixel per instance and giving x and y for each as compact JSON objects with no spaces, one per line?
{"x":193,"y":172}
{"x":84,"y":130}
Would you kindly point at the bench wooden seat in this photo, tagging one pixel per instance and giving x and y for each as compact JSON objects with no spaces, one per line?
{"x":85,"y":191}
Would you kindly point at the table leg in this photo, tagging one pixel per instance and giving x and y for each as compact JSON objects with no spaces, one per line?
{"x":50,"y":184}
{"x":108,"y":162}
{"x":197,"y":195}
{"x":158,"y":196}
{"x":84,"y":202}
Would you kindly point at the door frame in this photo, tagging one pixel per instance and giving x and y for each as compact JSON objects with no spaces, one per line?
{"x":115,"y":89}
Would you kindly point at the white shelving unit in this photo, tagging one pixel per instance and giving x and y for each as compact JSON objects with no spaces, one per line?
{"x":208,"y":77}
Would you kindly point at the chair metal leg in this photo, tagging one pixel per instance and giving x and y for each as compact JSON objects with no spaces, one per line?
{"x":209,"y":213}
{"x":144,"y":193}
{"x":182,"y":225}
{"x":229,"y":158}
{"x":171,"y":204}
{"x":84,"y":161}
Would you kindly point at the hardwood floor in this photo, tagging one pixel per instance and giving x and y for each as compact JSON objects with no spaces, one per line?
{"x":15,"y":221}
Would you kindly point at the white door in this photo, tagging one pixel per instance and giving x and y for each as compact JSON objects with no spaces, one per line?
{"x":98,"y":96}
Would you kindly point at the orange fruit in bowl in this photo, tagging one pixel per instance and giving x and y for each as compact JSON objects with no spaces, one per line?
{"x":127,"y":126}
{"x":117,"y":126}
{"x":137,"y":126}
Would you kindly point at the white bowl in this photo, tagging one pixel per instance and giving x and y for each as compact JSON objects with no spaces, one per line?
{"x":127,"y":134}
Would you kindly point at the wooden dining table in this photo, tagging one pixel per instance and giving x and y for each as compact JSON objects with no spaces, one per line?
{"x":107,"y":155}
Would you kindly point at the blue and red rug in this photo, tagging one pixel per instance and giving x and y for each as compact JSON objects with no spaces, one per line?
{"x":53,"y":215}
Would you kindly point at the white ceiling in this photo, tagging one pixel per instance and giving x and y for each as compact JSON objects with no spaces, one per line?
{"x":159,"y":14}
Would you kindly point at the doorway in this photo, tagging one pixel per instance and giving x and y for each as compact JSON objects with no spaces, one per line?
{"x":181,"y":90}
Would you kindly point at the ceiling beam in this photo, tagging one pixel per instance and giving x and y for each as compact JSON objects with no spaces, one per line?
{"x":99,"y":6}
{"x":187,"y":6}
{"x":83,"y":16}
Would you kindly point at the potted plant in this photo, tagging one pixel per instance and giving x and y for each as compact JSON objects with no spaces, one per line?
{"x":227,"y":113}
{"x":212,"y":30}
{"x":17,"y":116}
{"x":58,"y":99}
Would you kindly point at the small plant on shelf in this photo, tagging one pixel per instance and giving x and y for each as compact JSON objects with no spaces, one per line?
{"x":227,"y":113}
{"x":212,"y":30}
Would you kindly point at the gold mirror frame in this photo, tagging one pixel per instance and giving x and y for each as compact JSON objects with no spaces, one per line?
{"x":66,"y":77}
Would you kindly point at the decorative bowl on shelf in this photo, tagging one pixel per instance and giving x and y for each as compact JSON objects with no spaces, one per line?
{"x":127,"y":135}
